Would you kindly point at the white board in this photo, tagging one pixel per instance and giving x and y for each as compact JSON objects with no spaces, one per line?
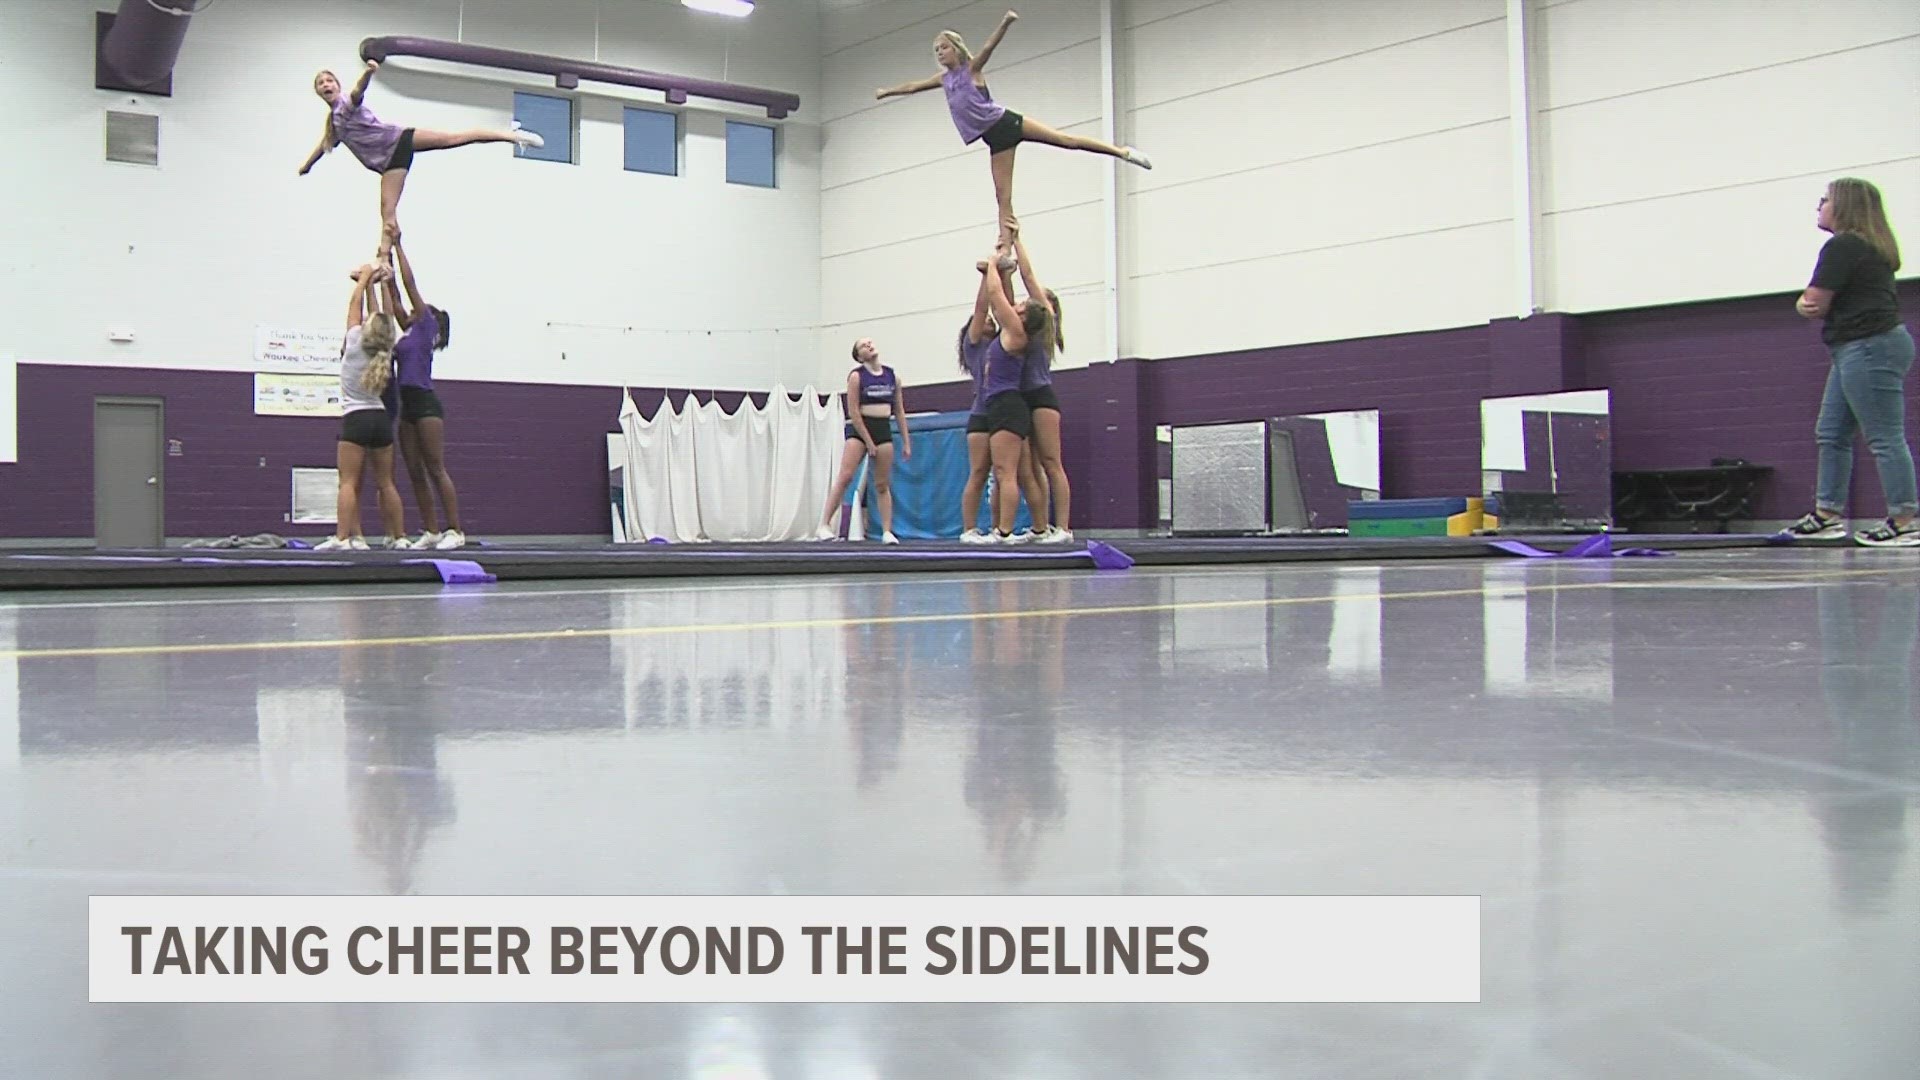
{"x":284,"y":349}
{"x":280,"y":394}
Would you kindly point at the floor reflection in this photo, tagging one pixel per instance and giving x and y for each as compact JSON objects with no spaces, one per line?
{"x":1866,"y":679}
{"x":1677,"y":797}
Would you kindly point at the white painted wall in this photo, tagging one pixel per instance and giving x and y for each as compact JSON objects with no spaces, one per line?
{"x":543,"y":265}
{"x":1686,"y":144}
{"x":1333,"y":171}
{"x":1322,"y":171}
{"x":1286,"y":139}
{"x":906,"y":209}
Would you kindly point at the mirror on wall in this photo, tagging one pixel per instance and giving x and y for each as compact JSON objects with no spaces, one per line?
{"x":1336,"y":460}
{"x":1547,"y":461}
{"x":1282,"y":475}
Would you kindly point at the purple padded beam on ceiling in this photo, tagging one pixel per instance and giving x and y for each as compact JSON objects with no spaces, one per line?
{"x":135,"y":48}
{"x":568,"y":73}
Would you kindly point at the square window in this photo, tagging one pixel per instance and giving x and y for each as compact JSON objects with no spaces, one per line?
{"x":549,"y":117}
{"x":653,"y":141}
{"x":749,"y":154}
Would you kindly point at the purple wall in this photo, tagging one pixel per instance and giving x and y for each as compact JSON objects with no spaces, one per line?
{"x":1741,"y":378}
{"x":527,"y":459}
{"x":1738,"y":378}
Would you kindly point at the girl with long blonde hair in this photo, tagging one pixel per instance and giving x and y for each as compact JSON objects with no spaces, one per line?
{"x":979,"y":118}
{"x":366,"y":426}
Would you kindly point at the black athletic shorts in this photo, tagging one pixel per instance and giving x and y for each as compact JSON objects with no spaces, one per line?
{"x":977,"y":424}
{"x":1042,"y":397}
{"x":1006,"y":132}
{"x":1008,"y":411}
{"x":420,"y":404}
{"x":880,"y":427}
{"x":403,"y":153}
{"x":371,"y":428}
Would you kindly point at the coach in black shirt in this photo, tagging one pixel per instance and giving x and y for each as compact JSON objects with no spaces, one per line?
{"x":1852,"y":293}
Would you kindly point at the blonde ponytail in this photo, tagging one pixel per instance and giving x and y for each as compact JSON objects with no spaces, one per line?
{"x":377,"y":341}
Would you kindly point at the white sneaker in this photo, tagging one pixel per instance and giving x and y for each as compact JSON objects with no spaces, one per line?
{"x":358,"y":543}
{"x":331,"y":543}
{"x":1024,"y":536}
{"x":426,"y":541}
{"x":1056,"y":535}
{"x":1135,"y":157}
{"x":527,"y":138}
{"x":398,"y":543}
{"x":973,"y":536}
{"x":825,"y":532}
{"x":451,"y":540}
{"x":889,"y":538}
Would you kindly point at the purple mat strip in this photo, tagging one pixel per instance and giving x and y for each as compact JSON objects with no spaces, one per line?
{"x":202,"y":560}
{"x":455,"y":571}
{"x":1593,"y":547}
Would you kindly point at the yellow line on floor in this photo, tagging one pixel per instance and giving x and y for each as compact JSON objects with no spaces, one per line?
{"x":894,"y":620}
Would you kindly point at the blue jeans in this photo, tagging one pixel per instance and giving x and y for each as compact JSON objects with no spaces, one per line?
{"x":1865,"y":394}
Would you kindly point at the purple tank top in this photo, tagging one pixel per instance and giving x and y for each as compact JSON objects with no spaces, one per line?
{"x":976,"y":357}
{"x":370,"y":139}
{"x":414,"y":351}
{"x":1004,"y":370}
{"x":973,"y":108}
{"x":876,"y":389}
{"x":1039,"y":369}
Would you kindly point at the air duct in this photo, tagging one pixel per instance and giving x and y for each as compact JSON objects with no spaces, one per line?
{"x":567,"y":74}
{"x":135,"y":48}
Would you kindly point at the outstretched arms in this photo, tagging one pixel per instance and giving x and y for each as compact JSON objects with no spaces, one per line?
{"x":359,"y":92}
{"x":931,"y":82}
{"x":327,"y":142}
{"x":979,"y":62}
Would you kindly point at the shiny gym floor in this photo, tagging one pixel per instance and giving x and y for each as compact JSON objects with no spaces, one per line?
{"x":1685,"y":788}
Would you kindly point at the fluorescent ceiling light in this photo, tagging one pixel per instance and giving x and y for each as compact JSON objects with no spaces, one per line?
{"x":737,"y":8}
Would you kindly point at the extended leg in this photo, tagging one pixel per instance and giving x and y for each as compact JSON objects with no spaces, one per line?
{"x":1033,"y":131}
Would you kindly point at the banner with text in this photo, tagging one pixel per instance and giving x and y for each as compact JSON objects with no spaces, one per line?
{"x":785,"y":948}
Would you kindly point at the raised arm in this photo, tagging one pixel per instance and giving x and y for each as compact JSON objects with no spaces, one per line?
{"x":931,"y":82}
{"x":406,"y":277}
{"x":979,"y":62}
{"x":391,"y":292}
{"x":357,"y":304}
{"x":327,"y":141}
{"x":977,"y":329}
{"x":360,"y":88}
{"x":1013,"y":335}
{"x":1027,"y":277}
{"x":401,"y":310}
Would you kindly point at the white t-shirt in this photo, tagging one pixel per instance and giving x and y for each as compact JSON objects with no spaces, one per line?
{"x":354,"y":363}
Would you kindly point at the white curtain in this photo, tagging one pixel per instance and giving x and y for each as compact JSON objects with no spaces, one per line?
{"x":699,"y":473}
